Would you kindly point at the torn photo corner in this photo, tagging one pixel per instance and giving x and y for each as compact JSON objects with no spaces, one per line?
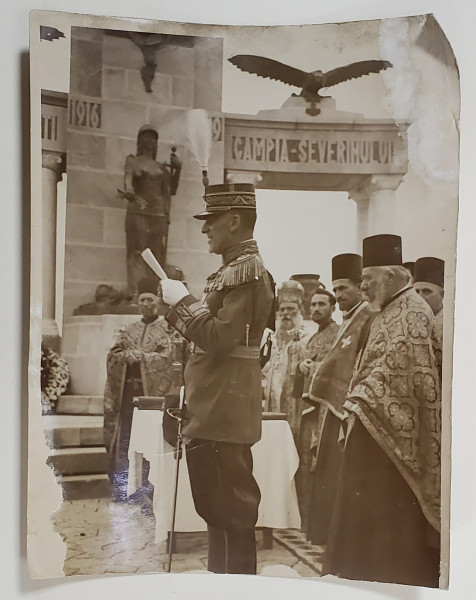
{"x":314,"y":347}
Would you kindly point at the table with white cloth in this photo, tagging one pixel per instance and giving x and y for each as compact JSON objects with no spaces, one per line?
{"x":275,"y":461}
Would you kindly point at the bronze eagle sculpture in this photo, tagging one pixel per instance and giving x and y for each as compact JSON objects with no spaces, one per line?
{"x":310,"y":83}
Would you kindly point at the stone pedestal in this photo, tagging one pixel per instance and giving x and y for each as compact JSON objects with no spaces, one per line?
{"x":85,"y":343}
{"x":296,"y":109}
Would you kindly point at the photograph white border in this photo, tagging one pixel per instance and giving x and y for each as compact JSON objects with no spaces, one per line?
{"x":455,"y":20}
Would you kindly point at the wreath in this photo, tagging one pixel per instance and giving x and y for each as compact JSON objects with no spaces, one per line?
{"x":55,"y":377}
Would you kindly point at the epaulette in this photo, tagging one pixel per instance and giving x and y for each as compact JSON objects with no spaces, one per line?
{"x":244,"y":269}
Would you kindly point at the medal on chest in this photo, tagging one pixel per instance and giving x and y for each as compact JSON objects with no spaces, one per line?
{"x":346,"y":341}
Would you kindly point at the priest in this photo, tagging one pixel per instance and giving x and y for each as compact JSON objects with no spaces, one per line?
{"x":287,"y":351}
{"x":316,"y":348}
{"x":328,"y":391}
{"x":387,"y":512}
{"x":429,"y":281}
{"x":138,"y":364}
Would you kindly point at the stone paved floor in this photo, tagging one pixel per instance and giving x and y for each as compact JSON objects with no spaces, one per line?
{"x":107,"y":537}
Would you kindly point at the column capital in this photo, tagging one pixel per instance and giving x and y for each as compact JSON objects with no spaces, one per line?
{"x":243,"y":177}
{"x":54,"y":161}
{"x":359,"y":194}
{"x":377,"y":183}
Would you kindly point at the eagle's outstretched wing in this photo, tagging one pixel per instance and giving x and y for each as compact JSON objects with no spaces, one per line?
{"x":272,"y":69}
{"x":354,"y":70}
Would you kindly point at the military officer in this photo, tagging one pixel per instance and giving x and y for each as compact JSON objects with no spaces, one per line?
{"x":223,"y":376}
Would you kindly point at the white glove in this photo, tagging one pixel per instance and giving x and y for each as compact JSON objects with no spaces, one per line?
{"x":173,"y":291}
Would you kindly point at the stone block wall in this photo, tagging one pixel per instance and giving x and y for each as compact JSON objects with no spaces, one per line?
{"x":107,"y":105}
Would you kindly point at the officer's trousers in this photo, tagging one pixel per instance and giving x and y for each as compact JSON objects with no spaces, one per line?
{"x":227,"y":497}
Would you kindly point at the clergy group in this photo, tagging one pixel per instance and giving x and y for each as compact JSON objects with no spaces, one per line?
{"x":363,"y":400}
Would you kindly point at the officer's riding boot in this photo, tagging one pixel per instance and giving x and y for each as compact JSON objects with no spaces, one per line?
{"x":241,"y":551}
{"x":216,"y":550}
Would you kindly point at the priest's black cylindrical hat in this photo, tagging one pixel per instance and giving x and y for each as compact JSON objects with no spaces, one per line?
{"x":409,"y":266}
{"x":383,"y":250}
{"x":347,"y":266}
{"x":430,"y":270}
{"x":225,"y":196}
{"x":148,"y":285}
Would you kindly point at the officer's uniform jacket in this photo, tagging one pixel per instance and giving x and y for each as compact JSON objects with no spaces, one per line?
{"x":223,"y":374}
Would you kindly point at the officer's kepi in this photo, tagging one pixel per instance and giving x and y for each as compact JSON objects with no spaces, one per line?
{"x":226,"y":196}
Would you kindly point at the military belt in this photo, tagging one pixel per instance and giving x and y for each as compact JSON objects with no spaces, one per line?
{"x":237,"y":352}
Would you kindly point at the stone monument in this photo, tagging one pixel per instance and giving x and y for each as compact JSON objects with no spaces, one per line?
{"x":148,"y":188}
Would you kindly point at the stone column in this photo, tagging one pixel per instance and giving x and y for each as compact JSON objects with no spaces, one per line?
{"x":243,"y":177}
{"x":383,"y":204}
{"x":53,"y":167}
{"x":376,"y":205}
{"x":361,"y":198}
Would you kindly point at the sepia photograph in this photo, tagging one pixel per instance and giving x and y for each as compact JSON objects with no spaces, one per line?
{"x":243,"y":255}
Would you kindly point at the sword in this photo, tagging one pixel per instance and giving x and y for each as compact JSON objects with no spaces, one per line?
{"x":178,"y":445}
{"x":154,"y":264}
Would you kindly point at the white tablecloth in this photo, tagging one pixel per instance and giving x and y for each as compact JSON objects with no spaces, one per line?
{"x":275,"y":462}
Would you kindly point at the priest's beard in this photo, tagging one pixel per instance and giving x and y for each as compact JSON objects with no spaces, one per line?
{"x":286,"y":327}
{"x":382,"y":294}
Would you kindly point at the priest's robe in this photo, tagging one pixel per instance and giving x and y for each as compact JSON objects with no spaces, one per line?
{"x":316,"y":349}
{"x":328,"y":390}
{"x":149,"y":375}
{"x":437,"y":338}
{"x":388,"y":500}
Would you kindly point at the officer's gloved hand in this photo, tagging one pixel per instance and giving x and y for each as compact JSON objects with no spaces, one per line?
{"x":173,"y":291}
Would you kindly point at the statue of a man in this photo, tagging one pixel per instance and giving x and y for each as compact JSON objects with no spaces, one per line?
{"x":148,"y":188}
